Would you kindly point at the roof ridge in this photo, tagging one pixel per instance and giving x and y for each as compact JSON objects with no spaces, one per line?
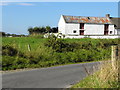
{"x":83,"y":16}
{"x":86,"y":19}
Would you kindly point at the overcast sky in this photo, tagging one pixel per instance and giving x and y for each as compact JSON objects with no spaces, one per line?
{"x":18,"y":16}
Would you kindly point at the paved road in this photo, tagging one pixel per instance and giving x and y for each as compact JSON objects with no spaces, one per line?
{"x":52,"y":77}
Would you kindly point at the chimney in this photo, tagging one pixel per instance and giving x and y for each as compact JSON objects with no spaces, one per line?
{"x":107,"y":15}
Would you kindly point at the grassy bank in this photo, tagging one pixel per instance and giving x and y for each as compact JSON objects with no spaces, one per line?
{"x":106,"y":77}
{"x":35,"y":52}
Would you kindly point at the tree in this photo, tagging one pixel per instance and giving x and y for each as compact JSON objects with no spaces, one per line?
{"x":2,"y":34}
{"x":54,"y":30}
{"x":48,"y":29}
{"x":43,"y":29}
{"x":30,"y":29}
{"x":36,"y":29}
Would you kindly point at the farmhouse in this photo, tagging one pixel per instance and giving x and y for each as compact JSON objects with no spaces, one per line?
{"x":93,"y":27}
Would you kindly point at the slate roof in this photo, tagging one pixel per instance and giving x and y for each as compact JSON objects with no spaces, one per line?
{"x":95,"y":20}
{"x":81,"y":19}
{"x":116,"y":22}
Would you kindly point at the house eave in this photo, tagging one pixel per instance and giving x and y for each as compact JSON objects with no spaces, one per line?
{"x":88,"y":23}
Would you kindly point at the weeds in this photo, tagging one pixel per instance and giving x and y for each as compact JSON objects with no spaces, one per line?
{"x":106,"y":77}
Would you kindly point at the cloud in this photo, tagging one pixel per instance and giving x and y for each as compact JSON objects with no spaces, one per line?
{"x":3,"y":4}
{"x":26,"y":4}
{"x":16,"y":3}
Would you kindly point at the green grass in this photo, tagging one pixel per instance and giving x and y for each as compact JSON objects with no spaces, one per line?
{"x":21,"y":43}
{"x":90,"y":82}
{"x":106,"y":77}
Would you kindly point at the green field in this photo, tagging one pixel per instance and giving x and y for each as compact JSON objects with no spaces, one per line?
{"x":21,"y":43}
{"x":34,"y":52}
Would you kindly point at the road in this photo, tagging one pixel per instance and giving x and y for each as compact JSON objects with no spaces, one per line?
{"x":52,"y":77}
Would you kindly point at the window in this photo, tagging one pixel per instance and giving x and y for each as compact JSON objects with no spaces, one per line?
{"x":81,"y":25}
{"x":74,"y":31}
{"x":106,"y":27}
{"x":110,"y":32}
{"x":81,"y":32}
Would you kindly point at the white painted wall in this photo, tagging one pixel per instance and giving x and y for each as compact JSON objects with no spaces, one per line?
{"x":111,"y":28}
{"x":95,"y":37}
{"x":70,"y":28}
{"x":98,"y":29}
{"x":90,"y":29}
{"x":118,"y":31}
{"x":61,"y":25}
{"x":94,"y":29}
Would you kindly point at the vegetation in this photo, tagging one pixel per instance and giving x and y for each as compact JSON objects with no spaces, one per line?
{"x":32,"y":52}
{"x":3,"y":34}
{"x":42,"y":30}
{"x":106,"y":77}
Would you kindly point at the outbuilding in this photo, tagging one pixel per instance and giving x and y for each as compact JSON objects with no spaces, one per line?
{"x":94,"y":27}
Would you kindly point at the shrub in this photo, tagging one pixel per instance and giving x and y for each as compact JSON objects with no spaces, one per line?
{"x":9,"y":50}
{"x":21,"y":62}
{"x":59,"y":45}
{"x":55,"y":43}
{"x":7,"y":62}
{"x":12,"y":63}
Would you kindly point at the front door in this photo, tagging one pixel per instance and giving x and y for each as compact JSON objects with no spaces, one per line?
{"x":81,"y":32}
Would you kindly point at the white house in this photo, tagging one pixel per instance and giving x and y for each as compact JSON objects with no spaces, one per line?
{"x":94,"y":27}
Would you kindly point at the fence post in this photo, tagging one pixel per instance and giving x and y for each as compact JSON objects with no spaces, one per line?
{"x":113,"y":56}
{"x":118,"y":62}
{"x":29,"y":48}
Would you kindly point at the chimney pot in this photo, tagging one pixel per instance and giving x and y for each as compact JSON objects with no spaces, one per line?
{"x":108,"y":15}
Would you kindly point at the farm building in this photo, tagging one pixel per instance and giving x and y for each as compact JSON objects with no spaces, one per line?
{"x":94,"y":27}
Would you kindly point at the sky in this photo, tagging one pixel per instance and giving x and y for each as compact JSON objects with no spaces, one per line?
{"x":17,"y":17}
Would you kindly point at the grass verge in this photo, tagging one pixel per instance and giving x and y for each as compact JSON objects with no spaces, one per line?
{"x":26,"y":69}
{"x":106,"y":77}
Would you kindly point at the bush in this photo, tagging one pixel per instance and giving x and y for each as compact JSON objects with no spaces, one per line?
{"x":12,"y":63}
{"x":21,"y":62}
{"x":9,"y":50}
{"x":55,"y":43}
{"x":59,"y":45}
{"x":7,"y":62}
